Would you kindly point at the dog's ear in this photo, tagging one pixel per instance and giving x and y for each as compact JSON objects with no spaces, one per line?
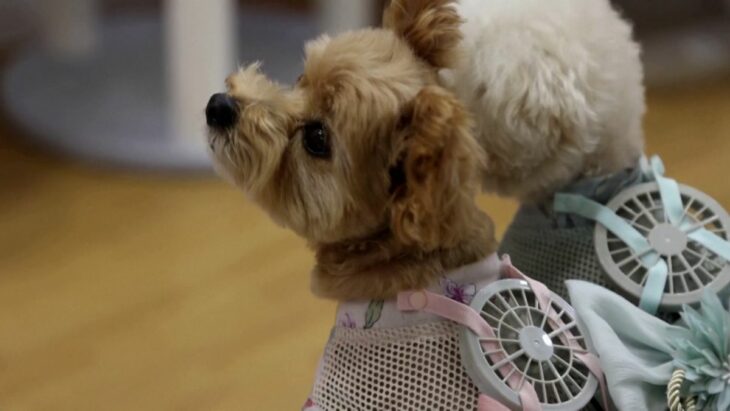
{"x":431,"y":27}
{"x":434,"y":172}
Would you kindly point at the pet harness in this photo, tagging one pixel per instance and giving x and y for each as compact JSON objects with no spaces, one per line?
{"x":471,"y":342}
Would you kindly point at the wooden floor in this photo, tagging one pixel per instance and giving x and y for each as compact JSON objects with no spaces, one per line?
{"x":123,"y":291}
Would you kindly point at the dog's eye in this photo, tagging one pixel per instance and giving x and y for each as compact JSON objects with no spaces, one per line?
{"x":315,"y":140}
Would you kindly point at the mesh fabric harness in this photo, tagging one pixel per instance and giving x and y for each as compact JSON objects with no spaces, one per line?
{"x":554,"y":247}
{"x":386,"y":359}
{"x":406,"y":368}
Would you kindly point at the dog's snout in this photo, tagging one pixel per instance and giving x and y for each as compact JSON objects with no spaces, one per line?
{"x":222,"y":111}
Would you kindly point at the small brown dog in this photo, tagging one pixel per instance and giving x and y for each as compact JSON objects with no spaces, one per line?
{"x":367,"y":157}
{"x":376,"y":165}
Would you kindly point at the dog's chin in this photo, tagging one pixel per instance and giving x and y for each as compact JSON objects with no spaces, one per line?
{"x":224,"y":171}
{"x":222,"y":164}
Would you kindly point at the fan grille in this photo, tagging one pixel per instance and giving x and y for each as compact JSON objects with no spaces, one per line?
{"x":559,"y":379}
{"x":692,"y":268}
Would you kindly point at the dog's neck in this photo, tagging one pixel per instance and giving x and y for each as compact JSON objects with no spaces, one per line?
{"x":379,"y":267}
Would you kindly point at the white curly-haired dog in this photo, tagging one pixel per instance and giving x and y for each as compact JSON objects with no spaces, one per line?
{"x":556,"y":88}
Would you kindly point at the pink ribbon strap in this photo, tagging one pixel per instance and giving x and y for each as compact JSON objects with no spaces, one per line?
{"x":543,"y":297}
{"x":444,"y":307}
{"x":594,"y":366}
{"x":487,"y":403}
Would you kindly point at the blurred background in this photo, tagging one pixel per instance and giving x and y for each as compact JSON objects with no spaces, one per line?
{"x":130,"y":277}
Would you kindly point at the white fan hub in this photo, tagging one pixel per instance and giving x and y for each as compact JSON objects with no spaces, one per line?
{"x":536,"y":343}
{"x":668,"y":239}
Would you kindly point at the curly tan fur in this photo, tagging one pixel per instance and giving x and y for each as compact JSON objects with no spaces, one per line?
{"x":441,"y":162}
{"x":393,"y":205}
{"x":431,"y":27}
{"x":434,"y":223}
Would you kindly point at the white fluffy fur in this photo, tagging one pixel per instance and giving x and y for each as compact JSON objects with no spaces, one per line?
{"x":556,"y":88}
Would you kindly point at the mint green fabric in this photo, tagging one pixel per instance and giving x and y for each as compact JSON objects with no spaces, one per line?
{"x":634,"y":347}
{"x":705,"y":356}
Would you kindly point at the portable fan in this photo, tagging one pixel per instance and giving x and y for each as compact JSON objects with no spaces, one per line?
{"x":660,"y":242}
{"x":534,"y":343}
{"x":692,"y":267}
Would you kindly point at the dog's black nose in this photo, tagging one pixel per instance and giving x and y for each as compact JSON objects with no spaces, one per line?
{"x":222,"y":111}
